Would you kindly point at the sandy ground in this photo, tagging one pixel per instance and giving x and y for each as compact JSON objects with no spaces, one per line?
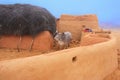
{"x":6,"y":54}
{"x":116,"y":74}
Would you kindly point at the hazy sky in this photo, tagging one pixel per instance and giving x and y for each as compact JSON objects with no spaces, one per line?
{"x":106,"y":10}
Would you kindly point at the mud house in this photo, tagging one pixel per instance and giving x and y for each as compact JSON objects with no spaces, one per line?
{"x":74,"y":23}
{"x":71,"y":23}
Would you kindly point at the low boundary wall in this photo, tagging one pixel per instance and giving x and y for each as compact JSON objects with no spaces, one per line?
{"x":92,"y":62}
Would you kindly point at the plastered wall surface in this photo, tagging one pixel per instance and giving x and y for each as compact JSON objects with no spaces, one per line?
{"x":74,"y":24}
{"x":42,"y":42}
{"x":92,"y":62}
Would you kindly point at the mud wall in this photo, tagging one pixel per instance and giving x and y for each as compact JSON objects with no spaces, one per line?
{"x":81,"y":63}
{"x":42,"y":42}
{"x":74,"y":24}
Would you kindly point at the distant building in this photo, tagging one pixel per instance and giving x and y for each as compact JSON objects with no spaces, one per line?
{"x":74,"y":24}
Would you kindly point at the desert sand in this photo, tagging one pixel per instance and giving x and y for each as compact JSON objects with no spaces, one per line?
{"x":116,"y":74}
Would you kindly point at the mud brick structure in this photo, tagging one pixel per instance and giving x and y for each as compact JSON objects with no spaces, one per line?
{"x":74,"y":24}
{"x":43,"y":42}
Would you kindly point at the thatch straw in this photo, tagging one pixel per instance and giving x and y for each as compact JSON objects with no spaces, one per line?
{"x":25,"y":19}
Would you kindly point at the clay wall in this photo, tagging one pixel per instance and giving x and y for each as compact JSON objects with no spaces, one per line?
{"x":92,"y":62}
{"x":74,"y":24}
{"x":42,"y":42}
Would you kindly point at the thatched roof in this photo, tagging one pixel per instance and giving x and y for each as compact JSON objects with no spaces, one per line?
{"x":25,"y":19}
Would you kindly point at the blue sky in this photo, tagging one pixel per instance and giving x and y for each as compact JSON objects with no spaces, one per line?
{"x":107,"y":10}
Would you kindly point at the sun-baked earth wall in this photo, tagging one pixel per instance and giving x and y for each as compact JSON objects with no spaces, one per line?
{"x":74,"y":24}
{"x":92,"y":62}
{"x":42,"y":42}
